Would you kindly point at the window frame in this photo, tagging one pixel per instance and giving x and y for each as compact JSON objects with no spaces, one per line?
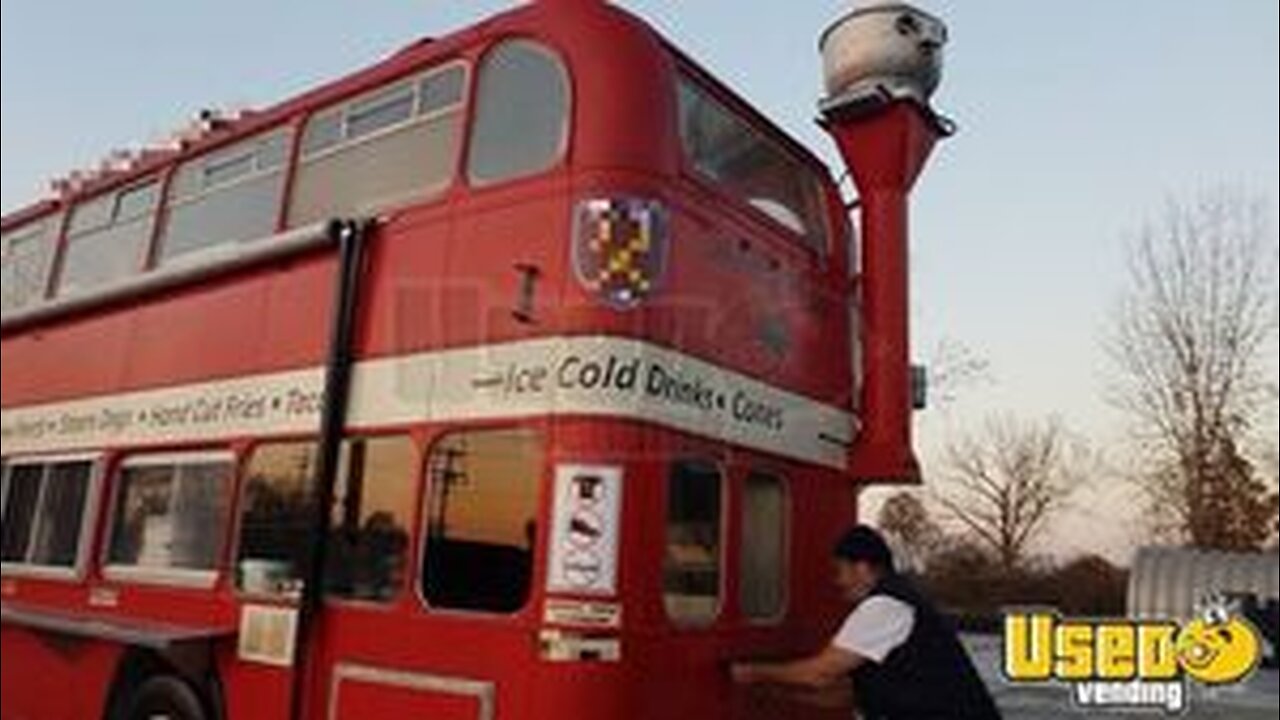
{"x":386,"y":98}
{"x":710,"y":89}
{"x":115,"y":198}
{"x":171,"y":200}
{"x":566,"y":132}
{"x":42,"y":230}
{"x":426,"y":491}
{"x":4,"y":485}
{"x":412,"y":81}
{"x":201,"y":164}
{"x":414,"y":520}
{"x":78,"y":571}
{"x":787,"y":536}
{"x":211,"y":165}
{"x":153,"y":187}
{"x":168,"y":577}
{"x":239,"y":508}
{"x":721,"y":468}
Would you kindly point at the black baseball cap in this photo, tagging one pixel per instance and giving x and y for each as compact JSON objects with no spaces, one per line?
{"x":863,"y":544}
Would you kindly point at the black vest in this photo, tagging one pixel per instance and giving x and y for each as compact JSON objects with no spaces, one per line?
{"x":928,"y":677}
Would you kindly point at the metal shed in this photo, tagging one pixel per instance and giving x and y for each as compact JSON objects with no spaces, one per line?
{"x":1166,"y":583}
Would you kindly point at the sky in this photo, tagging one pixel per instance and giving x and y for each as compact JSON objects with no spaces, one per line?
{"x":1078,"y":121}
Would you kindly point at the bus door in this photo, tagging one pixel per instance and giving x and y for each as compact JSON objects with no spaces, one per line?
{"x":427,"y":582}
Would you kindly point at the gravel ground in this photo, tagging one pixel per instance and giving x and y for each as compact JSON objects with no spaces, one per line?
{"x":1259,"y":699}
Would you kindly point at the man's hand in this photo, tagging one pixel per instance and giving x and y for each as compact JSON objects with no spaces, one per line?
{"x":819,"y":672}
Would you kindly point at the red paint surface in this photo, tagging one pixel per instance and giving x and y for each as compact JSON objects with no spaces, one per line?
{"x":443,"y":275}
{"x":359,"y":700}
{"x":886,"y":152}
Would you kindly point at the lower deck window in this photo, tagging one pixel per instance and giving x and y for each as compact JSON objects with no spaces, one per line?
{"x":691,"y":573}
{"x":276,"y":519}
{"x":374,"y":501}
{"x":44,"y":511}
{"x":481,"y":525}
{"x":373,"y":505}
{"x":764,"y":547}
{"x":170,"y":513}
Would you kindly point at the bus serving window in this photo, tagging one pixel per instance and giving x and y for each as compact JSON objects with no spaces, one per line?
{"x":276,"y":519}
{"x":169,"y":516}
{"x":521,"y":124}
{"x":481,"y":520}
{"x":374,"y":498}
{"x":108,"y":238}
{"x":729,"y":151}
{"x":764,"y":547}
{"x":44,"y":513}
{"x":374,"y":503}
{"x":394,"y":145}
{"x":26,"y":255}
{"x":230,"y":196}
{"x":691,"y":569}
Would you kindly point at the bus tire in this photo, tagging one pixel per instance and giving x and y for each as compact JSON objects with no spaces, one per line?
{"x":168,"y":698}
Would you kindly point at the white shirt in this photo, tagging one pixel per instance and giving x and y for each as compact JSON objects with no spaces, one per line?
{"x":879,"y":625}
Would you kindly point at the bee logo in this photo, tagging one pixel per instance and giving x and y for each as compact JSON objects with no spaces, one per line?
{"x":1219,"y":647}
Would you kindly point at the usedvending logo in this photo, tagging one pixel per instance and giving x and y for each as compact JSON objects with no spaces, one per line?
{"x":1126,"y":665}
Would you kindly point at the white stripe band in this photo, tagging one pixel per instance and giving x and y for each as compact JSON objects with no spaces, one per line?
{"x":598,"y":376}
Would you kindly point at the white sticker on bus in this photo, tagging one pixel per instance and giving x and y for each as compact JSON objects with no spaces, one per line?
{"x":584,"y":534}
{"x":267,"y":634}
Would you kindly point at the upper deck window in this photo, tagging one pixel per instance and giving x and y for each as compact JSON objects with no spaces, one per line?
{"x":26,"y":255}
{"x":521,"y":124}
{"x":395,"y":144}
{"x":108,"y":238}
{"x":729,"y":150}
{"x":229,"y":196}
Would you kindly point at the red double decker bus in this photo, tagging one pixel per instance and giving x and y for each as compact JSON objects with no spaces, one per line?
{"x":527,"y":374}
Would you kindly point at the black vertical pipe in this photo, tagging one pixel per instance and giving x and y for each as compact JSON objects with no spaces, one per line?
{"x":351,"y":237}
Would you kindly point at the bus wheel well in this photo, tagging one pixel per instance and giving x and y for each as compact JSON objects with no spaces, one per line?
{"x":192,"y":664}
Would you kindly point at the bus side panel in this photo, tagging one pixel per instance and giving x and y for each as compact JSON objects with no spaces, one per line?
{"x":252,"y":691}
{"x":51,"y":677}
{"x":360,"y":699}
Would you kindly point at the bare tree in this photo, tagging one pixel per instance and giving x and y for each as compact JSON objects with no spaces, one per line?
{"x":905,"y":521}
{"x":953,"y":368}
{"x":1191,"y":344}
{"x":1271,"y":460}
{"x":1007,"y":482}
